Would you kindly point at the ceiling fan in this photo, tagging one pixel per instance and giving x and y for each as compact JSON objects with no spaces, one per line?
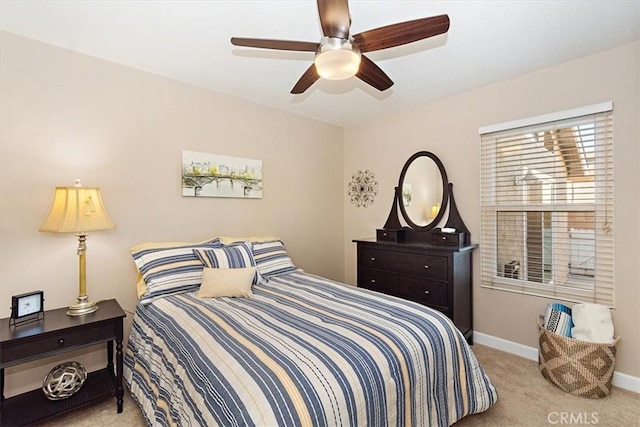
{"x":339,"y":55}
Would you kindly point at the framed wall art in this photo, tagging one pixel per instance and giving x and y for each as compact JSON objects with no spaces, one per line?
{"x":213,"y":175}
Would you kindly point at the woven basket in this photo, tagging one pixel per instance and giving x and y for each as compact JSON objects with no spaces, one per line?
{"x":578,"y":367}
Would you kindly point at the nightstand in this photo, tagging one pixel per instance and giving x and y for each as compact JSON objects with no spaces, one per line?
{"x":55,"y":334}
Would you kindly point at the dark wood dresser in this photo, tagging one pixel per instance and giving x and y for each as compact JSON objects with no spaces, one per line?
{"x":438,"y":276}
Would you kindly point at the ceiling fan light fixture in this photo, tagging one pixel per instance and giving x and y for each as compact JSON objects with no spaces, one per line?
{"x":337,"y":59}
{"x":338,"y":55}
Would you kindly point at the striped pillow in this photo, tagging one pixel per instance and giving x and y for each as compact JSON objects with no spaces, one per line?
{"x":170,"y":269}
{"x":237,"y":255}
{"x":272,"y":258}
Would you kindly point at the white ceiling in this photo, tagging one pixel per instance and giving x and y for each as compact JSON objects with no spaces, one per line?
{"x":488,"y":41}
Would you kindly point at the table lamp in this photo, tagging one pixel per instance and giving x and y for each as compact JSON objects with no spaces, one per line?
{"x":78,"y":210}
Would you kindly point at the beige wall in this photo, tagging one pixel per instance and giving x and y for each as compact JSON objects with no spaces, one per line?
{"x":68,"y":116}
{"x":449,"y":128}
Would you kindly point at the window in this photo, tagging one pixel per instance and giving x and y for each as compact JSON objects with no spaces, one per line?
{"x":547,"y":205}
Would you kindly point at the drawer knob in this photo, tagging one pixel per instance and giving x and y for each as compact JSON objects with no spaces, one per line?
{"x":426,"y":266}
{"x":61,"y":342}
{"x":373,"y":258}
{"x":385,"y":234}
{"x":427,"y":292}
{"x":444,"y":237}
{"x":373,"y":280}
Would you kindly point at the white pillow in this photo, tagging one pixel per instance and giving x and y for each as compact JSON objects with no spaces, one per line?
{"x":226,"y":282}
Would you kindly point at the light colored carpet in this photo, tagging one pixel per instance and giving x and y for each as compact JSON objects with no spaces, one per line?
{"x":525,"y":399}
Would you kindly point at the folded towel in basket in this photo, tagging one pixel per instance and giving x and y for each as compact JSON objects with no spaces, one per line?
{"x":557,"y":319}
{"x":593,"y":323}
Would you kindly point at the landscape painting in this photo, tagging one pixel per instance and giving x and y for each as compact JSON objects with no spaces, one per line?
{"x":213,"y":175}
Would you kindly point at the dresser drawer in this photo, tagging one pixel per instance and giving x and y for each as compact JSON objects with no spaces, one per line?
{"x":414,"y":264}
{"x":431,"y":293}
{"x":21,"y":350}
{"x":378,"y":281}
{"x":411,"y":288}
{"x":452,"y":239}
{"x":390,"y":235}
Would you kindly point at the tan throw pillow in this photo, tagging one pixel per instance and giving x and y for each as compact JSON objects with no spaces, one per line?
{"x":226,"y":282}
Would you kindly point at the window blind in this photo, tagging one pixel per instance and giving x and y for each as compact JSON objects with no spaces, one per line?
{"x":547,"y":206}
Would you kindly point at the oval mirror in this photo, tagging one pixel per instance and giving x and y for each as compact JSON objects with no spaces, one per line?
{"x":423,"y":184}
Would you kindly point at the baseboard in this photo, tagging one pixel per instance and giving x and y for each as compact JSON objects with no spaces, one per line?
{"x":624,"y":381}
{"x":521,"y":350}
{"x":627,"y":382}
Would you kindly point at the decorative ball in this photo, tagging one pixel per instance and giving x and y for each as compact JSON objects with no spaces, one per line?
{"x":64,"y":381}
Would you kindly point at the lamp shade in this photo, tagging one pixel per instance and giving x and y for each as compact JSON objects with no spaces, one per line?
{"x":77,"y":209}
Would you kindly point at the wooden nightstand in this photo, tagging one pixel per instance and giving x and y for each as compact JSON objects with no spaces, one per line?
{"x":55,"y":334}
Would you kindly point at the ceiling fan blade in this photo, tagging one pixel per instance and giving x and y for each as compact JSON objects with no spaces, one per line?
{"x":373,"y":75}
{"x":334,"y":18}
{"x":401,"y":33}
{"x":308,"y":78}
{"x":276,"y":44}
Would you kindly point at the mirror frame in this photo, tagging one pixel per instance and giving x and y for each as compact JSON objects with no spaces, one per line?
{"x":445,"y":191}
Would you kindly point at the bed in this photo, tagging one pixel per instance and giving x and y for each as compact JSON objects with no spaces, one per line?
{"x":301,"y":350}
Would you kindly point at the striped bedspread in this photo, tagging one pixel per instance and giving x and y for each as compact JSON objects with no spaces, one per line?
{"x":303,"y":351}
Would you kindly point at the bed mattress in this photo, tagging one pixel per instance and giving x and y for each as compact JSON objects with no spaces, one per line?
{"x":303,"y":351}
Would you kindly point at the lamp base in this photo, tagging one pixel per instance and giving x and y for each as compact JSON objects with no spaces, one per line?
{"x":82,"y":307}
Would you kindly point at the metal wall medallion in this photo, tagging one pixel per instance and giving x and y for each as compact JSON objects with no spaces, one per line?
{"x":64,"y":381}
{"x":363,"y":188}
